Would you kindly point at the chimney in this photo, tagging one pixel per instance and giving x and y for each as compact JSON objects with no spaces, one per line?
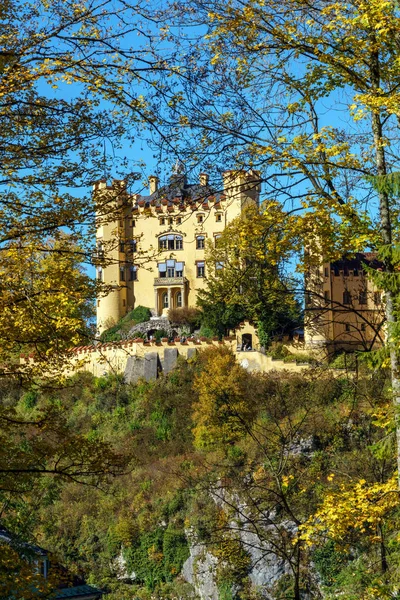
{"x":204,"y":179}
{"x":153,"y":181}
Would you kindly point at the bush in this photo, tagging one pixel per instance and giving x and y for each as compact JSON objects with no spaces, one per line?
{"x":344,"y":361}
{"x":301,"y":358}
{"x":206,"y":332}
{"x":112,"y":334}
{"x":140,"y":314}
{"x":159,"y":334}
{"x":185,"y":316}
{"x":278,"y":351}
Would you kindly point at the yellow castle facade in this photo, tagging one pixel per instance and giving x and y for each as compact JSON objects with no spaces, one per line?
{"x":151,"y":248}
{"x":344,"y":310}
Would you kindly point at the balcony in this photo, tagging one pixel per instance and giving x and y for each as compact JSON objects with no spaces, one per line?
{"x":169,"y":281}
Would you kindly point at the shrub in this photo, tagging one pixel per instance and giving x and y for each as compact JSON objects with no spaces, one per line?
{"x":278,"y":351}
{"x":140,"y":314}
{"x":159,"y":334}
{"x":344,"y":361}
{"x":185,"y":316}
{"x":206,"y":332}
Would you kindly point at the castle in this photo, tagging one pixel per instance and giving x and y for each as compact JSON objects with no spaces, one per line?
{"x":151,"y":248}
{"x":151,"y":253}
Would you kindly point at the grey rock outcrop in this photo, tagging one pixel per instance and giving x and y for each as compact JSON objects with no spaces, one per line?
{"x":200,"y":570}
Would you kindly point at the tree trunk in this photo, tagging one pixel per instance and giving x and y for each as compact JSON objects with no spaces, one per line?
{"x":386,"y":232}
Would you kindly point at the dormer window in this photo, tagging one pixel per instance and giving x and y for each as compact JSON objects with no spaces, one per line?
{"x":218,"y":217}
{"x":200,"y":218}
{"x":162,"y":221}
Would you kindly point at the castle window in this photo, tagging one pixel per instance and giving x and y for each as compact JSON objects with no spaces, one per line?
{"x":346,"y":297}
{"x":200,"y":218}
{"x":162,"y":221}
{"x":178,"y":220}
{"x":133,"y":273}
{"x":326,"y":271}
{"x":377,"y":298}
{"x":122,"y":246}
{"x":179,"y":269}
{"x":133,"y":246}
{"x":122,"y":273}
{"x":133,"y":223}
{"x":179,"y":300}
{"x":100,"y":250}
{"x":170,"y":221}
{"x":347,"y":326}
{"x":355,"y":272}
{"x":219,"y":266}
{"x":99,"y":274}
{"x":363,"y":327}
{"x":218,"y":217}
{"x":326,"y":296}
{"x":217,"y":237}
{"x":170,"y":242}
{"x":165,"y":300}
{"x":362,"y":297}
{"x":200,"y":240}
{"x":162,"y":243}
{"x":170,"y":268}
{"x":200,"y":269}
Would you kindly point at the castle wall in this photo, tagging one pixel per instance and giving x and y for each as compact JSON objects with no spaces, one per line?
{"x":137,"y":359}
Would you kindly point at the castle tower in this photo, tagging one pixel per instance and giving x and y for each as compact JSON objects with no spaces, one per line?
{"x":112,"y":206}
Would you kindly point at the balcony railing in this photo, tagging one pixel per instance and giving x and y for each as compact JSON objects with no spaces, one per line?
{"x":167,"y":281}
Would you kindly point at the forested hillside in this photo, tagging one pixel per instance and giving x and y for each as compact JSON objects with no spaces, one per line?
{"x":277,"y":486}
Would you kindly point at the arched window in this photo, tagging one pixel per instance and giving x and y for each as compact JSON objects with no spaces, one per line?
{"x":179,"y":300}
{"x":165,"y":300}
